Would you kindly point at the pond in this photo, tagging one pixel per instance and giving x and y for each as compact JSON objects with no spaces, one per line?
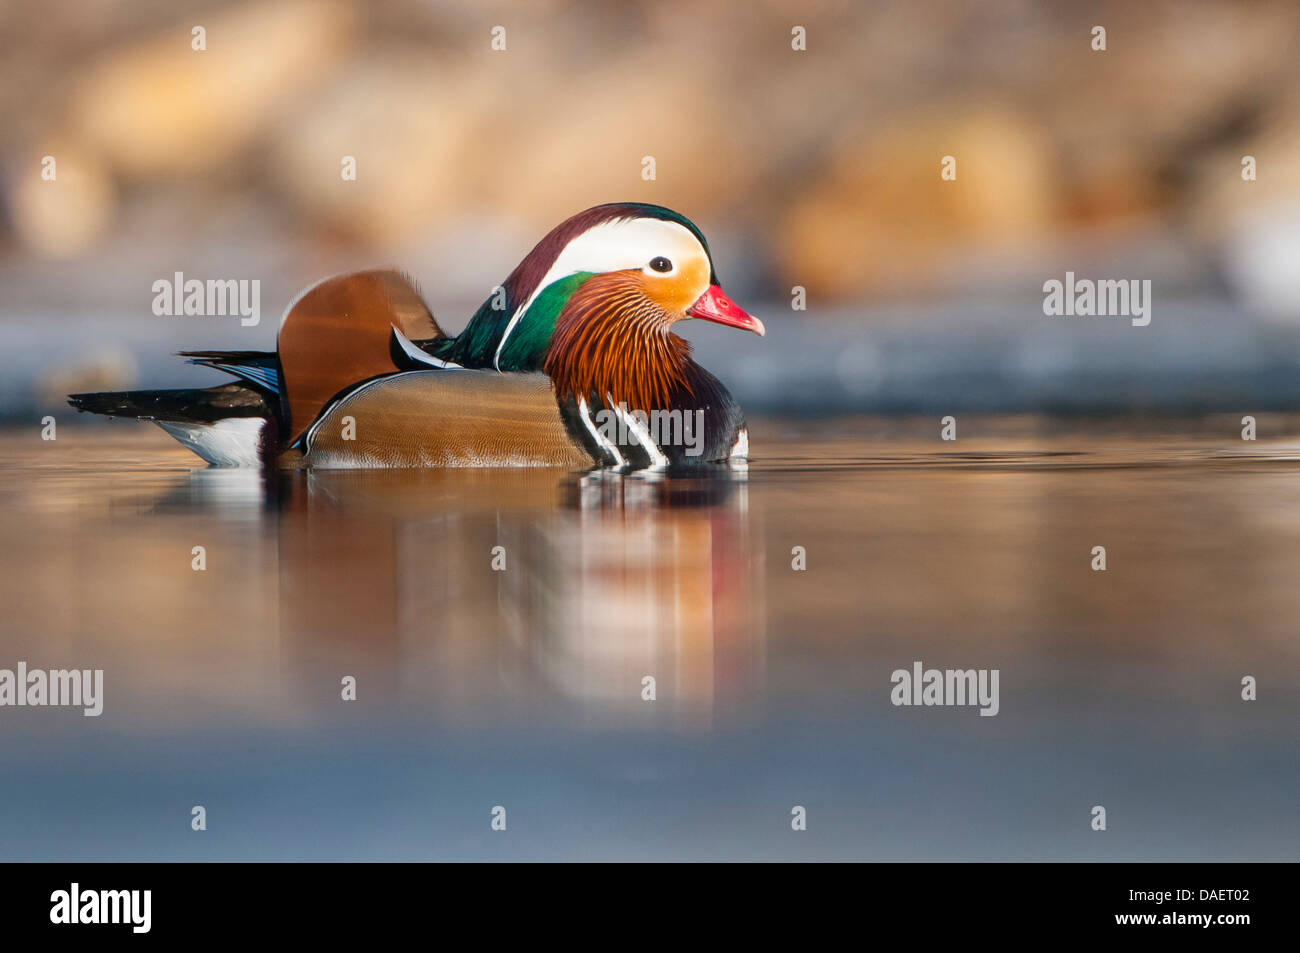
{"x":646,"y":667}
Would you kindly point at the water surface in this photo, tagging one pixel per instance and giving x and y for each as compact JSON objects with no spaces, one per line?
{"x":523,"y":688}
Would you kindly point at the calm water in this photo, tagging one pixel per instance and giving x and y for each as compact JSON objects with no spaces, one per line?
{"x":523,"y":688}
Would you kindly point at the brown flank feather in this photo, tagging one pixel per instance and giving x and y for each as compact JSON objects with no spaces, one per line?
{"x":467,"y":418}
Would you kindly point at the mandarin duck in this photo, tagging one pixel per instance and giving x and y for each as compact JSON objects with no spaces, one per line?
{"x":571,"y":362}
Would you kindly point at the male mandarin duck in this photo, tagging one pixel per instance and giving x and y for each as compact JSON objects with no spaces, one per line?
{"x":571,"y":362}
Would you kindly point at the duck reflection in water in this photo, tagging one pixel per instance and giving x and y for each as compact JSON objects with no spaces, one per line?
{"x":628,"y":599}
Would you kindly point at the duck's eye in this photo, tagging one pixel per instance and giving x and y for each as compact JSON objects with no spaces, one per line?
{"x":661,"y":264}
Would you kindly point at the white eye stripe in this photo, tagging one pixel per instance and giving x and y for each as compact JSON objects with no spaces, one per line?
{"x":620,"y":245}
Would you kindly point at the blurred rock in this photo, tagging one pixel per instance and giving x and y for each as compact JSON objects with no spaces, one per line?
{"x":160,"y":107}
{"x":436,"y":138}
{"x":1256,"y":224}
{"x":1262,"y":261}
{"x":413,"y":125}
{"x":585,"y":138}
{"x":879,"y":217}
{"x":63,"y":216}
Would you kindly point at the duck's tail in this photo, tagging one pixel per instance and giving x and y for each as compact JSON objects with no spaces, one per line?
{"x":234,"y":425}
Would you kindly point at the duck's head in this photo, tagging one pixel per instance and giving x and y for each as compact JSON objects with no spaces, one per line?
{"x":614,"y":272}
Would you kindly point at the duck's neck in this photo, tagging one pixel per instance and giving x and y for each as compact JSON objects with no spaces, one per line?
{"x":626,"y":385}
{"x":613,"y":345}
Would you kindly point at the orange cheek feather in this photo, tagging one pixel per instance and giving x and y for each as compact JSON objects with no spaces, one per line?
{"x":677,"y":293}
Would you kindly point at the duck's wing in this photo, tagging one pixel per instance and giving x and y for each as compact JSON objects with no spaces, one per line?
{"x":339,"y":333}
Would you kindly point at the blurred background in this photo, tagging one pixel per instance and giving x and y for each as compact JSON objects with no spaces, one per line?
{"x":815,"y":168}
